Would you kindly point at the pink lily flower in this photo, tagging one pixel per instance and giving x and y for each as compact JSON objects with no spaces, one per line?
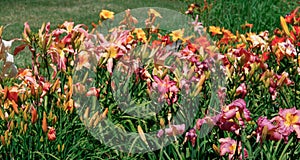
{"x":229,"y":146}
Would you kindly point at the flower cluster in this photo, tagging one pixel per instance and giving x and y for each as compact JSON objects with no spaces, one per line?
{"x":232,"y":117}
{"x":279,"y":127}
{"x":169,"y":67}
{"x":249,"y":59}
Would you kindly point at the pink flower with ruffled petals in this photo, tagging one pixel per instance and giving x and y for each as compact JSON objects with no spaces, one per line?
{"x":234,"y":115}
{"x":279,"y":127}
{"x":269,"y":129}
{"x":291,"y":120}
{"x":229,"y":146}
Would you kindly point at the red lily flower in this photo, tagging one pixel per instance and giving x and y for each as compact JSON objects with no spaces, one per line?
{"x":52,"y":134}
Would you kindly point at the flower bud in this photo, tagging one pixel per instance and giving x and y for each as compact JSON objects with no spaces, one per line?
{"x":44,"y":123}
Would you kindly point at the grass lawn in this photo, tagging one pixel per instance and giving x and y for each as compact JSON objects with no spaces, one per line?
{"x":15,"y":13}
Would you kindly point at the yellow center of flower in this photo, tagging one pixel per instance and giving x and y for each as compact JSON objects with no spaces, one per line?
{"x":290,"y":119}
{"x":232,"y":148}
{"x":112,"y":52}
{"x":238,"y":115}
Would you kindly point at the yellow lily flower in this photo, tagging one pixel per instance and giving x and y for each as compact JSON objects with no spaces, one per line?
{"x":106,"y":14}
{"x":177,"y":34}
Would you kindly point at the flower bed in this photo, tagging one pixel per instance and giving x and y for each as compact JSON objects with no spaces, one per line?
{"x":252,"y":77}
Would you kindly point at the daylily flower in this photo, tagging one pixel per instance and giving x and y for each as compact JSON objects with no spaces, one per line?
{"x":156,"y":44}
{"x":247,"y":25}
{"x":115,"y":46}
{"x":191,"y":135}
{"x":267,"y":130}
{"x":165,"y":39}
{"x":257,"y":41}
{"x":177,"y":34}
{"x":208,"y":120}
{"x":167,"y":89}
{"x":11,"y":93}
{"x":93,"y":92}
{"x":83,"y":60}
{"x":172,"y":131}
{"x":110,"y":55}
{"x":283,"y":79}
{"x":61,"y":48}
{"x":277,"y":40}
{"x":291,"y":119}
{"x":105,"y":14}
{"x":202,"y":41}
{"x":229,"y":146}
{"x":287,"y":48}
{"x":274,"y":81}
{"x":52,"y":134}
{"x":142,"y":73}
{"x":283,"y":47}
{"x":71,"y":31}
{"x":215,"y":30}
{"x":191,"y":8}
{"x":46,"y":87}
{"x":59,"y":53}
{"x":154,"y":13}
{"x":141,"y":35}
{"x":290,"y":17}
{"x":233,"y":113}
{"x":279,"y":127}
{"x":197,"y":25}
{"x":227,"y":36}
{"x":241,"y":90}
{"x":128,"y":19}
{"x":265,"y":56}
{"x":79,"y":88}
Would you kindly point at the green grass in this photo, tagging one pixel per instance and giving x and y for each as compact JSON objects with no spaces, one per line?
{"x":264,"y":15}
{"x":16,"y":12}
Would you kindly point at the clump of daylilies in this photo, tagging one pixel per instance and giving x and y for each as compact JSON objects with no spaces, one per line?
{"x":279,"y":127}
{"x":37,"y":92}
{"x":249,"y":58}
